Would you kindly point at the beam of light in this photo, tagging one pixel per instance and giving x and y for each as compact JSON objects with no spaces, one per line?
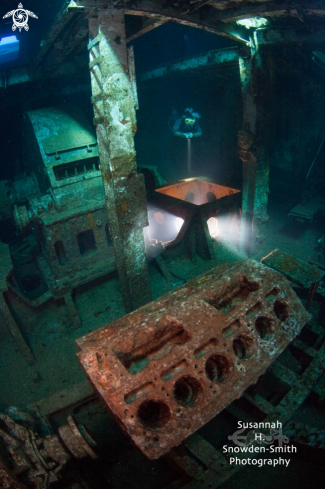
{"x":213,"y":226}
{"x":225,"y":230}
{"x":228,"y":228}
{"x":178,"y":223}
{"x":228,"y":235}
{"x":189,"y":157}
{"x":163,"y":225}
{"x":255,"y":22}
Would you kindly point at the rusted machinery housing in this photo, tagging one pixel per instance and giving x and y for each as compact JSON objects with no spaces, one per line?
{"x":169,"y":367}
{"x":59,"y":208}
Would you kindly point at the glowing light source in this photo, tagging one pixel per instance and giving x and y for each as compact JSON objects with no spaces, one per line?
{"x":255,"y":22}
{"x":178,"y":223}
{"x":159,"y":217}
{"x":213,"y":227}
{"x":163,"y":225}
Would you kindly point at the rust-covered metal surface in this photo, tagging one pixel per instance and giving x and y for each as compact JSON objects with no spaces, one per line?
{"x":299,"y":271}
{"x":166,"y":369}
{"x":195,"y":205}
{"x":38,"y":461}
{"x":197,"y":191}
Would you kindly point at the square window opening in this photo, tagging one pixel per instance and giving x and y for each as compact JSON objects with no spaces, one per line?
{"x":86,"y":242}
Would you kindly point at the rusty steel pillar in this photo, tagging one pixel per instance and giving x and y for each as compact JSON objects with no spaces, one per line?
{"x":251,"y":140}
{"x":114,"y":109}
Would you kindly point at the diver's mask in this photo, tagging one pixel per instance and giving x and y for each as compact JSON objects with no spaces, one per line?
{"x":189,"y":121}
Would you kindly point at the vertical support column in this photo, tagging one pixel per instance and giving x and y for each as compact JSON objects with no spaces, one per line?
{"x":251,"y":140}
{"x":114,"y":109}
{"x":245,"y":140}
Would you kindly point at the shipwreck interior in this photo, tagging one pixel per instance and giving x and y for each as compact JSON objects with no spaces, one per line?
{"x":162,"y":305}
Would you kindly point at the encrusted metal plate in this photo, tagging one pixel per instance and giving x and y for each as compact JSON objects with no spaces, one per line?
{"x":166,"y":369}
{"x":61,"y":128}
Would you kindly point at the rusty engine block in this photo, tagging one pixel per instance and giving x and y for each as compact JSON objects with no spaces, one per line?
{"x":166,"y":369}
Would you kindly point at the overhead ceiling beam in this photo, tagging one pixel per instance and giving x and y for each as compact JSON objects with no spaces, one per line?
{"x":147,"y":8}
{"x":224,"y":11}
{"x":207,"y":20}
{"x":269,"y":9}
{"x":65,"y":46}
{"x":218,"y":19}
{"x":198,"y":5}
{"x":148,"y":24}
{"x":288,"y":35}
{"x":58,"y":26}
{"x":216,"y":57}
{"x":247,"y":11}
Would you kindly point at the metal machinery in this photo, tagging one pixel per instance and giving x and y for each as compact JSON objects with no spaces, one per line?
{"x":58,"y":209}
{"x":58,"y":206}
{"x":169,"y":367}
{"x":37,"y":459}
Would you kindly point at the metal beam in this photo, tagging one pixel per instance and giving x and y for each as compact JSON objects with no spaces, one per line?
{"x":223,"y":11}
{"x":252,"y":140}
{"x":59,"y":24}
{"x":208,"y":22}
{"x":66,"y":46}
{"x":264,"y":9}
{"x":147,"y":25}
{"x":158,"y":10}
{"x":14,"y":76}
{"x":220,"y":56}
{"x":229,"y":13}
{"x":290,"y":36}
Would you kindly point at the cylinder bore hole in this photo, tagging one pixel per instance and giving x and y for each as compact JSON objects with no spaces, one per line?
{"x":265,"y":327}
{"x":153,"y":414}
{"x":243,"y":346}
{"x":187,"y":390}
{"x":218,"y":368}
{"x":281,"y":309}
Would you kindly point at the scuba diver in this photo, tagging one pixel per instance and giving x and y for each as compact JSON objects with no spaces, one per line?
{"x":186,"y":125}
